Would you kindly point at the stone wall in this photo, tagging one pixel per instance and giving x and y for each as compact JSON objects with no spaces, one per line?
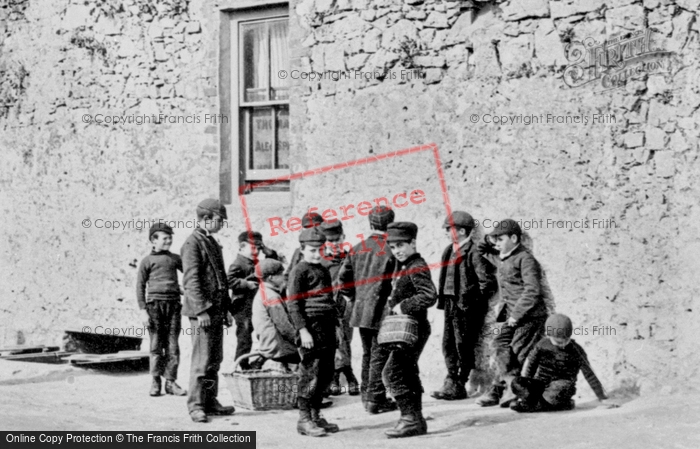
{"x":638,"y":166}
{"x":63,"y":63}
{"x":60,"y":61}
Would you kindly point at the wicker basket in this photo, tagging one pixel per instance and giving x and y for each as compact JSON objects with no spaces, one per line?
{"x":262,"y":389}
{"x":398,"y":330}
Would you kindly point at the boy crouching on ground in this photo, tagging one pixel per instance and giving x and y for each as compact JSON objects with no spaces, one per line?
{"x":273,"y":328}
{"x":244,"y":286}
{"x":162,"y":308}
{"x":313,"y":314}
{"x":548,"y":380}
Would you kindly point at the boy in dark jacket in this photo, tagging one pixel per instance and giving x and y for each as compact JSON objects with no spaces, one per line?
{"x":548,"y":379}
{"x":412,"y":294}
{"x":313,"y":313}
{"x":162,"y":308}
{"x":244,"y":284}
{"x":206,"y":304}
{"x":466,"y":283}
{"x":521,"y":311}
{"x":370,"y":260}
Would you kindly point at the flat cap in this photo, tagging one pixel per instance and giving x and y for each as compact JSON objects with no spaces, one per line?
{"x":380,"y":217}
{"x":159,"y":227}
{"x":401,"y":231}
{"x":214,"y":206}
{"x":245,"y":237}
{"x":331,"y":230}
{"x":312,"y":236}
{"x":310,"y":220}
{"x":271,"y":267}
{"x":507,"y":226}
{"x":460,"y":219}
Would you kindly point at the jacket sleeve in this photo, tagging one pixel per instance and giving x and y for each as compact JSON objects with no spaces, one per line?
{"x":425,"y":295}
{"x":296,"y":299}
{"x":141,"y":281}
{"x":237,"y":280}
{"x":178,"y":262}
{"x":486,"y":274}
{"x":193,"y":266}
{"x":441,"y":278}
{"x":531,"y":363}
{"x":346,"y":277}
{"x":281,"y":321}
{"x":488,"y":252}
{"x":531,"y":275}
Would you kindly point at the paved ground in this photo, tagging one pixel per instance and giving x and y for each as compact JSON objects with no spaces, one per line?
{"x":65,"y":398}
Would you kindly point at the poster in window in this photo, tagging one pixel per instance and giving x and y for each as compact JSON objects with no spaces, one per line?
{"x":262,"y":141}
{"x":283,"y":138}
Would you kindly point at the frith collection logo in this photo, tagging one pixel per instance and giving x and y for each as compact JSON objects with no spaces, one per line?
{"x":616,"y":61}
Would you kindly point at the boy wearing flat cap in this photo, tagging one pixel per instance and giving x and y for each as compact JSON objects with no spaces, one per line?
{"x":206,"y":303}
{"x":244,"y":285}
{"x":308,"y":221}
{"x":370,"y":259}
{"x":466,"y":284}
{"x":412,"y":294}
{"x":333,"y":256}
{"x":158,"y":295}
{"x":313,"y":313}
{"x":521,"y":311}
{"x":273,"y":327}
{"x":548,"y":380}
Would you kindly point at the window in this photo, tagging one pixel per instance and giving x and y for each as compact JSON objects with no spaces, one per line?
{"x":264,"y":97}
{"x":255,"y":141}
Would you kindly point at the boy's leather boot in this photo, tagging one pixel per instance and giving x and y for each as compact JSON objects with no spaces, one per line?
{"x":353,"y":385}
{"x":305,"y":425}
{"x":335,"y":385}
{"x":321,"y":422}
{"x":173,"y":388}
{"x":508,"y":394}
{"x":450,"y":391}
{"x":411,"y":422}
{"x":492,"y":396}
{"x":383,"y":406}
{"x":155,"y":386}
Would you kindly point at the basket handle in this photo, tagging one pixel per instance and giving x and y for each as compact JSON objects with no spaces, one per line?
{"x":243,"y":357}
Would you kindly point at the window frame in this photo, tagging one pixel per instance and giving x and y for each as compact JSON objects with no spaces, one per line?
{"x":233,"y":171}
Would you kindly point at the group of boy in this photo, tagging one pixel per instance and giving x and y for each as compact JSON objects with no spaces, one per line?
{"x":306,"y":315}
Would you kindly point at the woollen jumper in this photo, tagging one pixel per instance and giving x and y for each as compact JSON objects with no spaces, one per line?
{"x":157,"y":278}
{"x":309,"y":294}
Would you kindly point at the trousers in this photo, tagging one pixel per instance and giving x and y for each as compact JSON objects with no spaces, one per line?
{"x":401,"y":375}
{"x":556,"y":393}
{"x":164,"y":326}
{"x":373,"y":362}
{"x":459,"y":340}
{"x":207,"y":354}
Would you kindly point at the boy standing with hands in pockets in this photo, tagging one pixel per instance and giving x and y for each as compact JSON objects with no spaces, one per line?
{"x":206,"y":303}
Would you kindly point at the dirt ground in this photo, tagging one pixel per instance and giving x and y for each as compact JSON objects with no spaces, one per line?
{"x":68,"y":398}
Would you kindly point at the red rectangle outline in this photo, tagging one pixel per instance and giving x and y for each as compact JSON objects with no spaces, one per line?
{"x":328,"y":168}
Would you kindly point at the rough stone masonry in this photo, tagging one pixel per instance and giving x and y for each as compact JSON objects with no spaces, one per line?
{"x":481,"y":72}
